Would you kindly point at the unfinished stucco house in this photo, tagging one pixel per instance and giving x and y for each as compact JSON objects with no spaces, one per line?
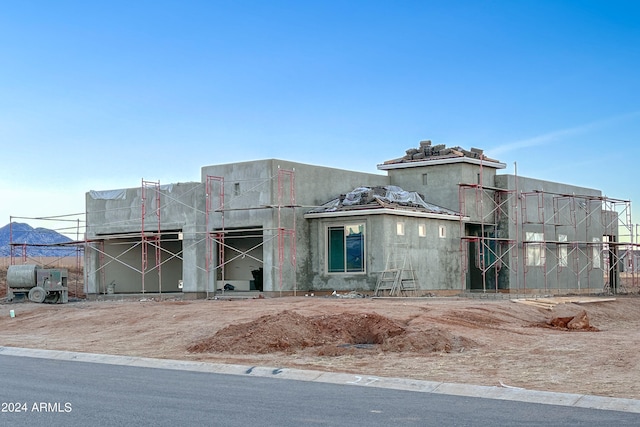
{"x":437,"y":220}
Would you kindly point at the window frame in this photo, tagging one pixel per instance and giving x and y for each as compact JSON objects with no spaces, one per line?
{"x":536,"y":256}
{"x":563,"y":251}
{"x":596,"y":253}
{"x":345,"y":269}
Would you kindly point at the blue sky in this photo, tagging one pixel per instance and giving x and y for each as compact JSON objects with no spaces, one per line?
{"x":99,"y":95}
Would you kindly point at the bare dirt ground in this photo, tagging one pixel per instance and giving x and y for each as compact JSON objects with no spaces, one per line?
{"x":476,"y":341}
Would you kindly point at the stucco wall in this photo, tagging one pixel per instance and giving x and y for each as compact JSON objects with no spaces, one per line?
{"x":441,"y":185}
{"x":258,"y":194}
{"x":182,"y":208}
{"x":181,"y":203}
{"x":256,"y":197}
{"x":434,"y":259}
{"x":553,"y":209}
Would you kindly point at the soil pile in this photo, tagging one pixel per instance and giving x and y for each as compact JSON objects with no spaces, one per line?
{"x":326,"y":335}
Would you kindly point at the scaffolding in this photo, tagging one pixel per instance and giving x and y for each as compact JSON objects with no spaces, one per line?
{"x":511,"y":240}
{"x":286,"y":233}
{"x":218,"y":234}
{"x":493,"y":250}
{"x":154,"y":197}
{"x":151,"y":237}
{"x":549,"y":237}
{"x":217,"y":238}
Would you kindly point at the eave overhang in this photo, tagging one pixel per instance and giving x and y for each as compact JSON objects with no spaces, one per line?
{"x":445,"y":161}
{"x":386,"y":211}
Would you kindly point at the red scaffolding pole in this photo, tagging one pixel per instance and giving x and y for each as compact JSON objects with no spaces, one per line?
{"x":214,"y":237}
{"x":154,"y":237}
{"x":283,"y":233}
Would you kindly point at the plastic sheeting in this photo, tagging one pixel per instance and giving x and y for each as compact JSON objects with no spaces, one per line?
{"x":386,"y":194}
{"x":122,"y":193}
{"x":108,"y":194}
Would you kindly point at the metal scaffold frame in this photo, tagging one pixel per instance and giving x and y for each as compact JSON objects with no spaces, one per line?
{"x":587,"y":257}
{"x":492,"y":250}
{"x":150,"y":234}
{"x":153,"y":199}
{"x":152,"y":238}
{"x":496,"y":208}
{"x":214,"y":238}
{"x":284,"y":233}
{"x":627,"y":242}
{"x":219,"y":235}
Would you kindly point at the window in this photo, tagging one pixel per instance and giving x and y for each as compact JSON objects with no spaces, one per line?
{"x":442,"y":231}
{"x":422,"y":230}
{"x":345,"y":249}
{"x":563,"y":258}
{"x":595,"y":253}
{"x":236,"y":189}
{"x":535,"y":251}
{"x":424,"y":179}
{"x":400,"y":228}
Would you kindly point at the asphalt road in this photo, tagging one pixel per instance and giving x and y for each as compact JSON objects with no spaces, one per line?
{"x":39,"y":392}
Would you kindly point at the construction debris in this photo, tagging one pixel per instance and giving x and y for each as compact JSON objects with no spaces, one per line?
{"x":352,"y":294}
{"x":426,"y":151}
{"x":382,"y":197}
{"x":549,"y":303}
{"x":579,"y":322}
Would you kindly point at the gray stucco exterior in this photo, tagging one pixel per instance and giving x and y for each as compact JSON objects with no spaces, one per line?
{"x":247,"y":225}
{"x":572,"y":223}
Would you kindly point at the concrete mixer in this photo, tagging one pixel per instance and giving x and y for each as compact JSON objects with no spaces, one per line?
{"x":39,"y":284}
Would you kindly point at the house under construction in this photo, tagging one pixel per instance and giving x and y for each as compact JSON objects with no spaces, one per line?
{"x":438,"y":221}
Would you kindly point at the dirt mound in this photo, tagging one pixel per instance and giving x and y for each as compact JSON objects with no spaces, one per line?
{"x":326,"y":335}
{"x":578,"y":322}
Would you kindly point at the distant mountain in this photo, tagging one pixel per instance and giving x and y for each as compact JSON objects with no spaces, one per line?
{"x":38,"y":237}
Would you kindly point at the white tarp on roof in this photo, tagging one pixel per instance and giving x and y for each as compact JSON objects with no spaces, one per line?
{"x":387,"y":194}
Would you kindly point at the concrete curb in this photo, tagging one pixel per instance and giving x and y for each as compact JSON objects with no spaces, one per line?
{"x":486,"y":392}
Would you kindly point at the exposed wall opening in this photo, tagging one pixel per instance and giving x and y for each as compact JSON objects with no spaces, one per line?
{"x":240,"y":267}
{"x":483,"y":266}
{"x":612,"y":276}
{"x":121,"y":268}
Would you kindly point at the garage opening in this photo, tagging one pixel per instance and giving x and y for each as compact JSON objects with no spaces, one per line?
{"x":131,"y":264}
{"x":241,"y":259}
